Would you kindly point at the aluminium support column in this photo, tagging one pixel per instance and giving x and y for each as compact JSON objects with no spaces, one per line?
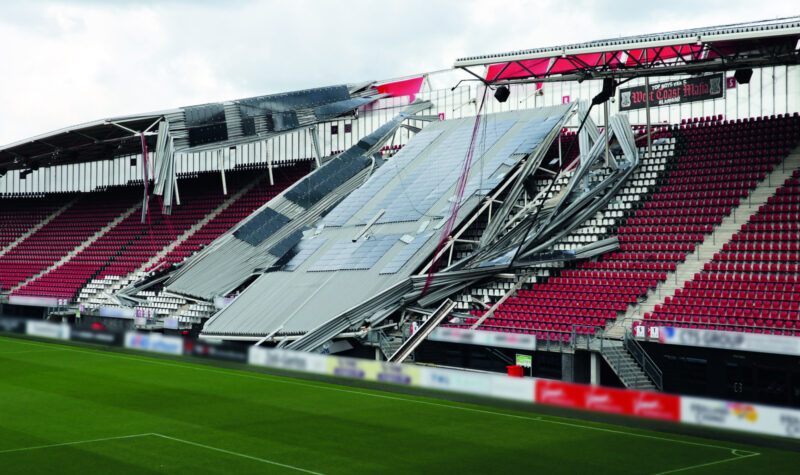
{"x":221,"y":157}
{"x":594,"y":368}
{"x":605,"y":128}
{"x":647,"y":109}
{"x":312,"y":131}
{"x":568,"y":367}
{"x":269,"y":165}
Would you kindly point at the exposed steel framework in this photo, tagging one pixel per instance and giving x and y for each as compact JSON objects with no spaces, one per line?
{"x":720,"y":48}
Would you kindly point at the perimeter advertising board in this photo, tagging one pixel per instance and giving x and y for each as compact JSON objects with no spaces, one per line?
{"x":678,"y":91}
{"x":725,"y":340}
{"x":615,"y":401}
{"x":479,"y":384}
{"x":374,"y":370}
{"x":58,"y":331}
{"x":155,"y":342}
{"x":484,"y":338}
{"x":770,"y":420}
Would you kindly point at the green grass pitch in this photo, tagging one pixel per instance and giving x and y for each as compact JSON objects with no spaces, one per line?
{"x":76,"y":410}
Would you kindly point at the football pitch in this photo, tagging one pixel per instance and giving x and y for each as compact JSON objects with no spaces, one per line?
{"x":67,"y":409}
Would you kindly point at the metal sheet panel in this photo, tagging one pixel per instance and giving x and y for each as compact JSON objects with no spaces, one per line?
{"x":341,"y":275}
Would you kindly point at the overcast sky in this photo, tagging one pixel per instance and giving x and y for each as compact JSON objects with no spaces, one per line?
{"x":65,"y":63}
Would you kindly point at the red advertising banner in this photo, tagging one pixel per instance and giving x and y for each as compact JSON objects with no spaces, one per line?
{"x":559,"y":394}
{"x":609,"y":400}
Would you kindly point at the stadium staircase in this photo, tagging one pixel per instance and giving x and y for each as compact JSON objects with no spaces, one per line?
{"x":629,"y":371}
{"x":389,"y":347}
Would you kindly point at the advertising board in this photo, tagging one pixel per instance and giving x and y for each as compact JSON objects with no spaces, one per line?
{"x":154,"y":342}
{"x":781,"y":344}
{"x":748,"y":417}
{"x":677,"y":91}
{"x":58,"y":331}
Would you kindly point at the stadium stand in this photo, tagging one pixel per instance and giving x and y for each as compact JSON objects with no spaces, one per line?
{"x":751,"y":286}
{"x":675,"y":202}
{"x":54,"y":241}
{"x":106,"y":242}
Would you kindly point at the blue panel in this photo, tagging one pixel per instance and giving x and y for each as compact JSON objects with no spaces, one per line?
{"x":286,"y":244}
{"x":338,"y":108}
{"x":535,"y":135}
{"x":400,"y":259}
{"x":261,"y":226}
{"x":426,"y":184}
{"x":370,"y":252}
{"x":305,"y":249}
{"x":336,"y":256}
{"x":349,"y":255}
{"x":361,"y":196}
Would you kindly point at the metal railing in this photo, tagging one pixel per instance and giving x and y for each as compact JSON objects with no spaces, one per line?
{"x":379,"y":337}
{"x":648,"y":365}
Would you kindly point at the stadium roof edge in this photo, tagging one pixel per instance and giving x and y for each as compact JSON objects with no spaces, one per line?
{"x":748,"y":30}
{"x":86,"y":125}
{"x":117,"y":136}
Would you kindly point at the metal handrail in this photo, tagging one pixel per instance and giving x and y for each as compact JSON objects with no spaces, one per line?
{"x":650,"y":368}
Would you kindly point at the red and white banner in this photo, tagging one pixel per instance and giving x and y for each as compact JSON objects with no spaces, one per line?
{"x":615,"y":401}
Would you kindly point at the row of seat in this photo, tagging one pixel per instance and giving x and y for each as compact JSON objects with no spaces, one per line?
{"x":757,"y":289}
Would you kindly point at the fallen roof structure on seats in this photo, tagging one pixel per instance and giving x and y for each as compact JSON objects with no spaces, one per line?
{"x":373,"y":240}
{"x":259,"y":241}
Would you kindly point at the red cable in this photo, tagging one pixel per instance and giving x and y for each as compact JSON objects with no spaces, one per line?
{"x":456,"y":205}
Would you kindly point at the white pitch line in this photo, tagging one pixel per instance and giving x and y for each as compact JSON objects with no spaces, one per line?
{"x":276,"y":379}
{"x":2,"y":353}
{"x":708,"y":464}
{"x":229,"y":452}
{"x":77,"y":442}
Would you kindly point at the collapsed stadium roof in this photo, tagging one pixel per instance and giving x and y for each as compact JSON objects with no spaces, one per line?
{"x":377,"y":236}
{"x":352,"y":263}
{"x":192,"y":128}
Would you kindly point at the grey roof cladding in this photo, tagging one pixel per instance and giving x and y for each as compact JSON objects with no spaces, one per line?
{"x":330,"y":274}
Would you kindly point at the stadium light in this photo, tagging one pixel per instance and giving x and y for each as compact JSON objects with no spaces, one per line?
{"x":743,"y":76}
{"x":502,"y":93}
{"x":609,"y":88}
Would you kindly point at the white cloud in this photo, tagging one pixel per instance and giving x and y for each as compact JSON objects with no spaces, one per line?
{"x":66,"y":63}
